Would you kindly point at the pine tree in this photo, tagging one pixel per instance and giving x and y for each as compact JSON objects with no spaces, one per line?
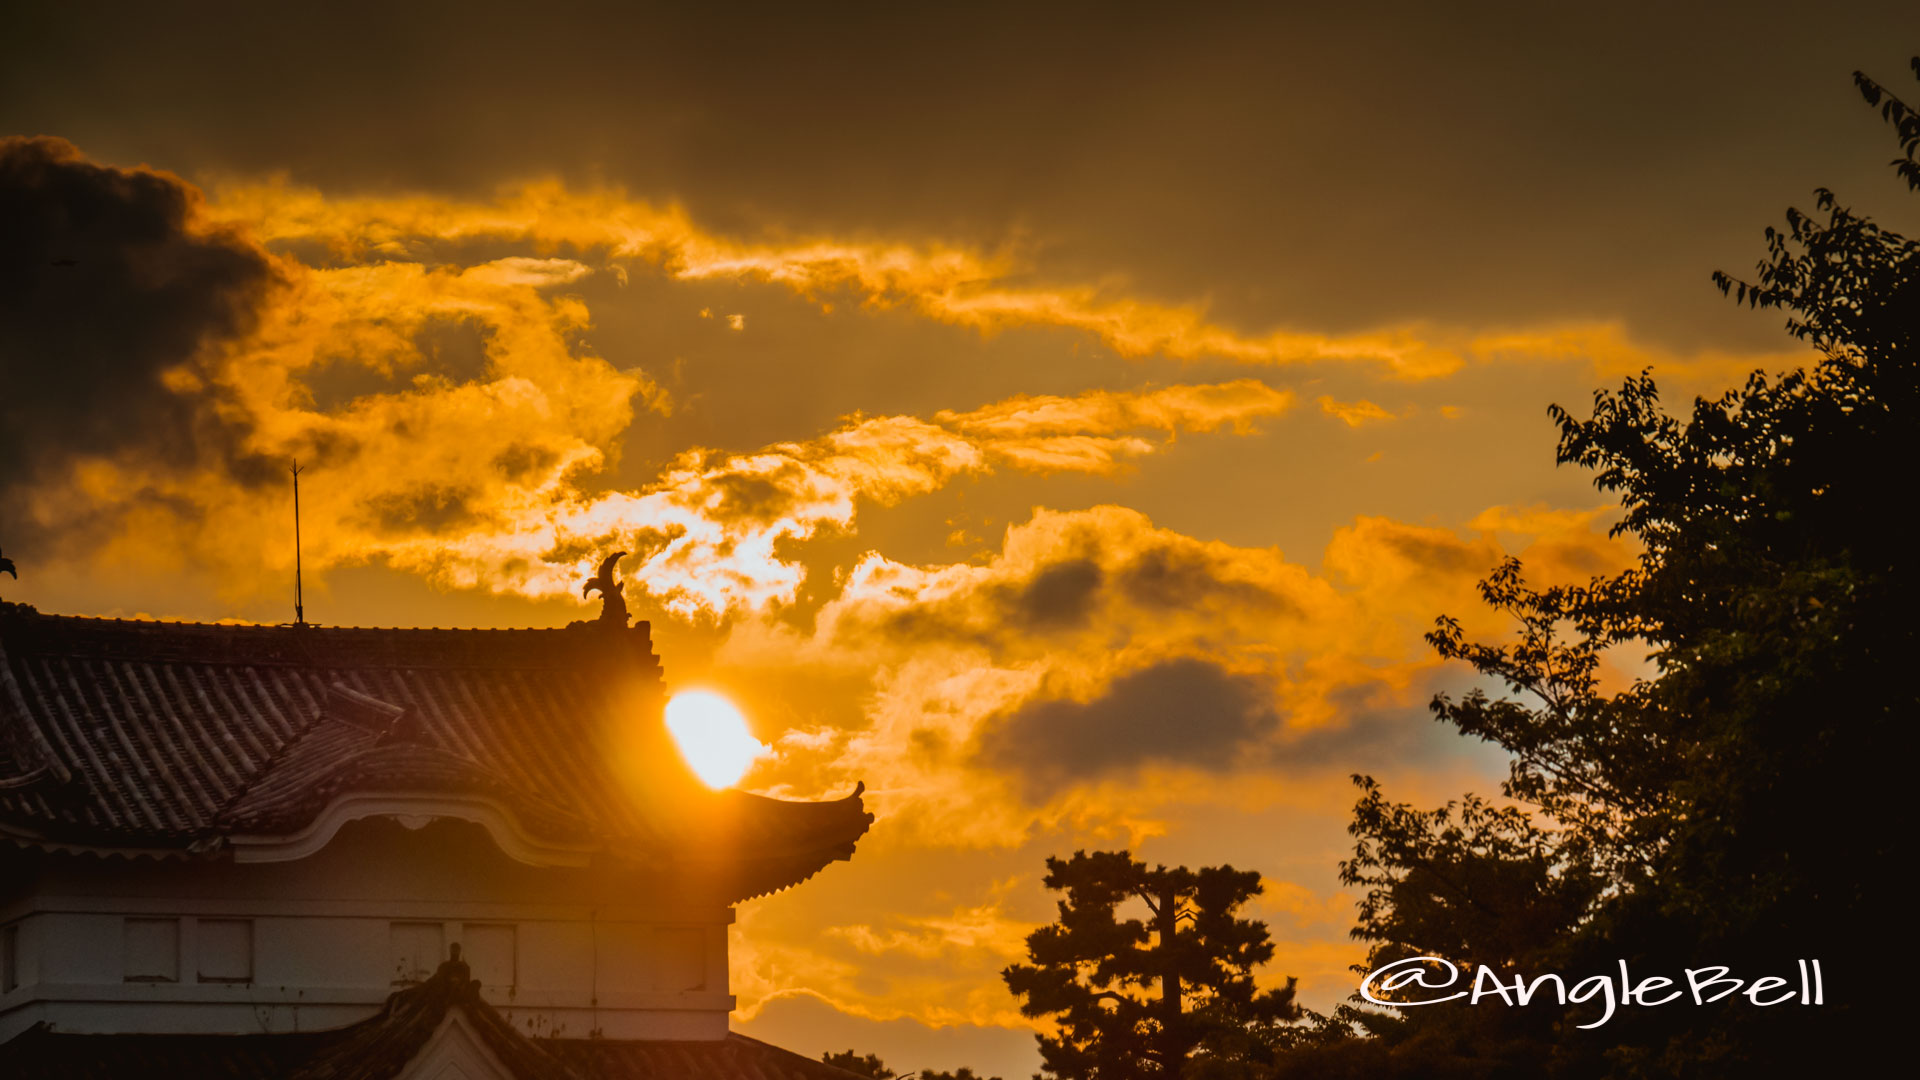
{"x":1167,"y":995}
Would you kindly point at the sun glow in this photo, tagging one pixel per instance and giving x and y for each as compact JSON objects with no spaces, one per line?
{"x":713,"y":737}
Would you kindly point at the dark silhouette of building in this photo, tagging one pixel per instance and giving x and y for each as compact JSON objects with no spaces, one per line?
{"x":302,"y":851}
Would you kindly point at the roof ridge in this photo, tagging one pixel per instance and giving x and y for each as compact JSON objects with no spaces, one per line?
{"x":762,"y":1046}
{"x":378,"y":743}
{"x":308,"y":627}
{"x":407,"y":1021}
{"x":574,"y":646}
{"x":267,"y":766}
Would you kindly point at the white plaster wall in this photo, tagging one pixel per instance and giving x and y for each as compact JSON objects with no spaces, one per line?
{"x":455,"y":1052}
{"x":593,"y":950}
{"x":553,"y":953}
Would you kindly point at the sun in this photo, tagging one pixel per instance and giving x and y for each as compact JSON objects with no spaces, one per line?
{"x":713,"y":736}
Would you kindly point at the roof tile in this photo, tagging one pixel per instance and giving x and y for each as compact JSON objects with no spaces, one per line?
{"x":171,"y":736}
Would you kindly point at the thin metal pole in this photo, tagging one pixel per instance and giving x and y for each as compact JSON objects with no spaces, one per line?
{"x":299,"y":609}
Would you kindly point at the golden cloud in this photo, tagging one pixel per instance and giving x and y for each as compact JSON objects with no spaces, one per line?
{"x":1352,"y":413}
{"x":945,"y":283}
{"x":1098,"y":667}
{"x":980,"y":927}
{"x":478,"y":476}
{"x":937,"y":968}
{"x":708,"y":532}
{"x":475,"y":481}
{"x":475,"y":471}
{"x":1612,"y":353}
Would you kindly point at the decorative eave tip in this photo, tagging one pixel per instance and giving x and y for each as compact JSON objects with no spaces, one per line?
{"x":613,"y":604}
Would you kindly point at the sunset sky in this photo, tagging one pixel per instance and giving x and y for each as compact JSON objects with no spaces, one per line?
{"x":1065,"y":421}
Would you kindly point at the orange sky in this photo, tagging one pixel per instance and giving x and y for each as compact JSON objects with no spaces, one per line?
{"x":1067,"y":429}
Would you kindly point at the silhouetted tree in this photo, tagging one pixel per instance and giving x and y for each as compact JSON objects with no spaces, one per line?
{"x":962,"y":1073}
{"x":1168,"y":995}
{"x":1730,"y":808}
{"x":870,"y":1065}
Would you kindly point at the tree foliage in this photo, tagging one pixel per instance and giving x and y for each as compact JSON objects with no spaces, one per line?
{"x":1732,"y":806}
{"x":1168,"y":995}
{"x":962,"y":1073}
{"x":868,"y":1065}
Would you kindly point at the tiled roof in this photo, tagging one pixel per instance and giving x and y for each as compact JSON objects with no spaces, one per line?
{"x":39,"y":1054}
{"x":734,"y":1058}
{"x":173,"y":737}
{"x":381,"y":1048}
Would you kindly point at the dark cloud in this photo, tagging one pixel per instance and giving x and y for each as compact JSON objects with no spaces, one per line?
{"x":453,"y":349}
{"x":1182,"y":578}
{"x":1379,"y":726}
{"x":1068,"y":594}
{"x":1058,"y":598}
{"x":1060,"y":595}
{"x":1343,"y":165}
{"x":1438,"y":553}
{"x":760,"y":498}
{"x":433,"y":509}
{"x":1184,"y":711}
{"x":520,"y":461}
{"x":105,"y":285}
{"x":1193,"y":712}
